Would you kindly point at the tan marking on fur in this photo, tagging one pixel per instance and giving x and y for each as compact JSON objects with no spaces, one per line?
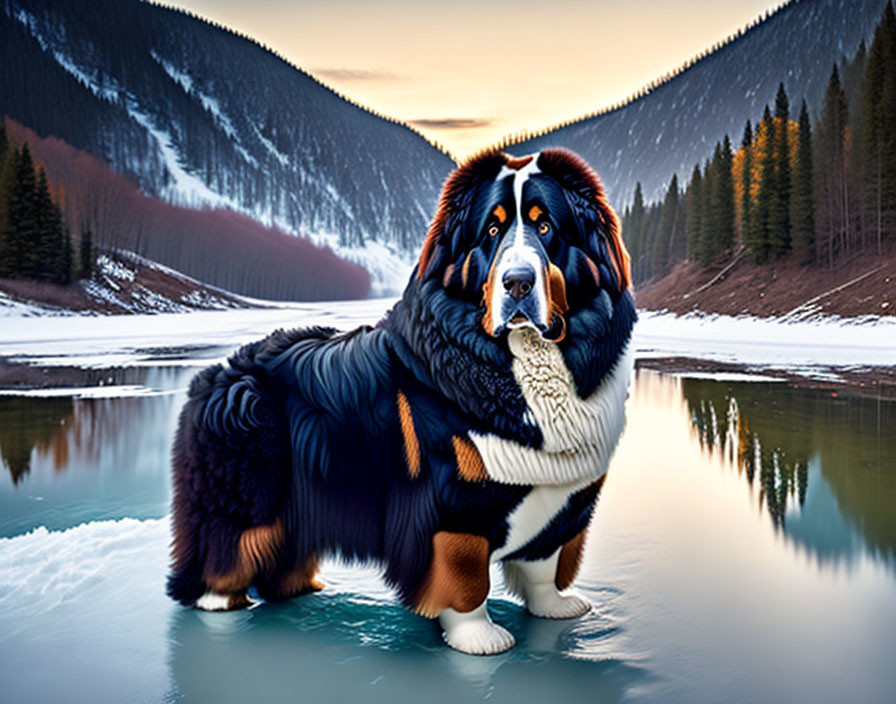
{"x":557,"y":289}
{"x":257,"y":552}
{"x":446,"y":277}
{"x":301,"y":580}
{"x":458,"y":576}
{"x":411,"y":445}
{"x":557,"y":303}
{"x":595,"y":272}
{"x":488,"y":322}
{"x":570,"y":559}
{"x":501,"y":214}
{"x":517,"y":164}
{"x":469,"y":463}
{"x":238,"y":601}
{"x":535,"y":213}
{"x":465,"y":271}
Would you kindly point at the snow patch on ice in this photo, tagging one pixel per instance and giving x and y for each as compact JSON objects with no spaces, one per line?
{"x":44,"y":570}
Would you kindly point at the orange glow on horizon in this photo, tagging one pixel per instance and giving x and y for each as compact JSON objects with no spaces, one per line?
{"x":466,"y":74}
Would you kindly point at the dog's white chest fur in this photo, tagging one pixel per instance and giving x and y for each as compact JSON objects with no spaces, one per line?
{"x":580,"y":435}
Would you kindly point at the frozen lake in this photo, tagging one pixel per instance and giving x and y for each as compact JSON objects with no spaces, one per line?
{"x":744,"y":548}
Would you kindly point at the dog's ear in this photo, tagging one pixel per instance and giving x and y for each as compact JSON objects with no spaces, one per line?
{"x":600,"y":229}
{"x":455,"y":203}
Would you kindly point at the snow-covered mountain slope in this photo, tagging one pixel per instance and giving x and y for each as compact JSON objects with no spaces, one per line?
{"x":201,"y":116}
{"x":123,"y":283}
{"x":677,"y":123}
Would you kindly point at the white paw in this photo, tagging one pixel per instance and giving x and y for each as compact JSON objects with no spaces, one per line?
{"x":473,"y":632}
{"x":213,"y":602}
{"x":479,"y":638}
{"x":552,"y":604}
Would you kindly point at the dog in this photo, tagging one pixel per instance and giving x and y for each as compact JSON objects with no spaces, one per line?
{"x":473,"y":424}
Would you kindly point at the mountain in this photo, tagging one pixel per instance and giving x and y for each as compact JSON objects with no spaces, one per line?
{"x":218,"y":247}
{"x":676,"y":123}
{"x":203,"y":117}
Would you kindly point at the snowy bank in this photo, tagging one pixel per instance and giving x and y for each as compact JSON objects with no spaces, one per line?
{"x":185,"y":339}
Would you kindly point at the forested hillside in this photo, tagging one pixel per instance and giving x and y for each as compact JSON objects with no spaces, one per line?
{"x":200,"y":116}
{"x":59,"y":205}
{"x":674,"y":122}
{"x":819,"y":191}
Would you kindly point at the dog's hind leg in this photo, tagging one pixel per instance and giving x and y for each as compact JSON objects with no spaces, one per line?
{"x":290,"y":582}
{"x":257,"y":553}
{"x":456,"y":589}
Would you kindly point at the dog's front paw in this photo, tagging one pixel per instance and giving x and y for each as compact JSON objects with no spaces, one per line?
{"x":474,"y":633}
{"x":548,"y":603}
{"x":479,"y":638}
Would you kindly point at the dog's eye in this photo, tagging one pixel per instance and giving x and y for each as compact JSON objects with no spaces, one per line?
{"x":544,"y":227}
{"x":493,"y":230}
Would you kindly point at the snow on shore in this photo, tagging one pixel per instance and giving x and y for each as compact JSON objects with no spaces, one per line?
{"x":102,"y":341}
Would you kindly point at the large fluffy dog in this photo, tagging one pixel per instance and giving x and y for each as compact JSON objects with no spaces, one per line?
{"x":474,"y":424}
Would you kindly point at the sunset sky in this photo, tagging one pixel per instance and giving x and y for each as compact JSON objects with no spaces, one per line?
{"x":467,"y":72}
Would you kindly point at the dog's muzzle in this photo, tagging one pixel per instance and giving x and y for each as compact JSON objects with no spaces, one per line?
{"x":518,"y":293}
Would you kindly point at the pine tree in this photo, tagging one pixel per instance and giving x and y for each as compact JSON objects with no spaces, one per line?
{"x":65,"y":270}
{"x":665,"y":240}
{"x":802,"y":205}
{"x":878,"y":130}
{"x":708,"y":247}
{"x":779,"y":204}
{"x":759,"y":234}
{"x":22,"y":222}
{"x":831,"y":189}
{"x":723,"y":200}
{"x":637,"y":227}
{"x":7,"y":170}
{"x":694,"y":214}
{"x":746,"y":206}
{"x":86,"y":255}
{"x":47,"y":246}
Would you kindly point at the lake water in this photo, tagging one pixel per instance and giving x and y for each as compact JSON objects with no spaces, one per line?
{"x":743,"y":550}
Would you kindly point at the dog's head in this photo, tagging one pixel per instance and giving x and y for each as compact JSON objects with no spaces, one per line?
{"x":531,"y":239}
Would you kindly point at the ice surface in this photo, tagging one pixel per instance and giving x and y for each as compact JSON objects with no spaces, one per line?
{"x":814,"y":347}
{"x":768,"y":343}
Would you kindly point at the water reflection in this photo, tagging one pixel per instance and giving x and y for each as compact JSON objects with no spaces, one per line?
{"x":69,"y":460}
{"x":345,"y":648}
{"x":29,"y":425}
{"x":822,"y":464}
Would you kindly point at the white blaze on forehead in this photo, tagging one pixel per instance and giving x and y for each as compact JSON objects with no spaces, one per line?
{"x":520,"y":176}
{"x":518,"y":252}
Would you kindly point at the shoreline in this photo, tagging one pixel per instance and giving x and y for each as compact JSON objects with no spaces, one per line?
{"x":869,"y":381}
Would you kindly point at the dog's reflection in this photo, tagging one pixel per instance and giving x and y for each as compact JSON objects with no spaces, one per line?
{"x":346,"y":649}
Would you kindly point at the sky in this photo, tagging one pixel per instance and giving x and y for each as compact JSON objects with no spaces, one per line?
{"x":467,"y":72}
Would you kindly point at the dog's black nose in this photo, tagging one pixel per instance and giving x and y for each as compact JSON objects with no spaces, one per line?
{"x":518,"y":282}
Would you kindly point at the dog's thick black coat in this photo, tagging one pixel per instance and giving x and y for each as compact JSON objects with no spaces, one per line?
{"x":304,"y":429}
